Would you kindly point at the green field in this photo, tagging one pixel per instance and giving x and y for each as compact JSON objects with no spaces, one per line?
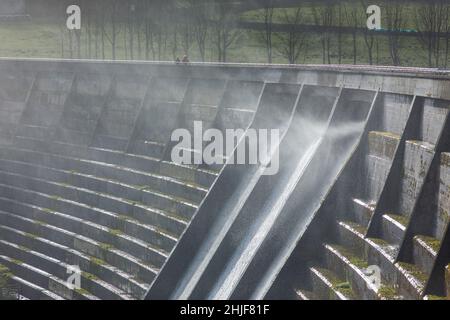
{"x":42,"y":39}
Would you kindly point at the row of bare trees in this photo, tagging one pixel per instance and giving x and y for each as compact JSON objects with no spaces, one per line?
{"x":150,"y":29}
{"x":431,"y":21}
{"x":157,"y":29}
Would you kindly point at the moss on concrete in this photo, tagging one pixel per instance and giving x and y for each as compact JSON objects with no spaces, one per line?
{"x":403,"y":220}
{"x":431,"y":297}
{"x":354,"y":260}
{"x":337,"y":285}
{"x":17,"y":261}
{"x":116,"y":232}
{"x":433,"y":243}
{"x":49,"y":211}
{"x":414,"y":272}
{"x":82,"y":291}
{"x":30,"y":235}
{"x":89,"y":276}
{"x":106,"y":246}
{"x":386,"y":292}
{"x":5,"y":276}
{"x":97,"y":261}
{"x":24,"y":248}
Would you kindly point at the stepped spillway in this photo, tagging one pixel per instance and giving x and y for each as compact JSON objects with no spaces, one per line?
{"x":86,"y":179}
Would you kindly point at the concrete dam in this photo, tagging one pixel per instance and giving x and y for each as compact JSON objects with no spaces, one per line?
{"x":358,"y":209}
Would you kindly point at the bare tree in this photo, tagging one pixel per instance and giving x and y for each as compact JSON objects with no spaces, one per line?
{"x":340,"y":24}
{"x":292,"y":42}
{"x":447,"y":33}
{"x":353,"y":19}
{"x":395,"y":22}
{"x":225,"y":28}
{"x":369,"y":36}
{"x":430,"y":21}
{"x":266,"y":35}
{"x":324,"y":16}
{"x":114,"y":8}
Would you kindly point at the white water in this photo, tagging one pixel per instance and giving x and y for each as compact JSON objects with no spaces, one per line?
{"x":247,"y":249}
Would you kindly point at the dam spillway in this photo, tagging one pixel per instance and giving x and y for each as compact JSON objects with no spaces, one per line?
{"x":86,"y":179}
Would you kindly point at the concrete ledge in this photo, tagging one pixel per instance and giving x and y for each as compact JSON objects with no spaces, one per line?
{"x":95,"y":184}
{"x":411,"y":281}
{"x":33,"y":292}
{"x":159,"y":220}
{"x":305,"y":295}
{"x":103,"y":203}
{"x":383,"y":144}
{"x":163,"y":184}
{"x":50,"y":221}
{"x":44,"y":280}
{"x":327,"y":286}
{"x":363,"y":211}
{"x":425,"y":251}
{"x":77,"y":249}
{"x":351,"y":235}
{"x":382,"y":254}
{"x":134,"y":161}
{"x":393,"y":228}
{"x":58,"y":268}
{"x":348,"y":266}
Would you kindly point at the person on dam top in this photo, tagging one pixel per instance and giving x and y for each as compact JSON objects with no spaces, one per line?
{"x":185,"y":59}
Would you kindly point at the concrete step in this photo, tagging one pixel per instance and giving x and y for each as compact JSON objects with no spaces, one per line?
{"x":78,"y":250}
{"x":363,"y":211}
{"x":328,"y":286}
{"x":45,"y":280}
{"x":374,"y":177}
{"x":351,"y":235}
{"x":383,"y":144}
{"x":95,"y":200}
{"x":124,"y":224}
{"x":138,"y":249}
{"x":382,"y":254}
{"x":377,"y":252}
{"x":164,"y":224}
{"x":393,"y":228}
{"x":163,"y":184}
{"x":305,"y":295}
{"x":139,"y":194}
{"x":59,"y":268}
{"x":30,"y":291}
{"x":34,"y":131}
{"x":348,"y":265}
{"x":148,"y":148}
{"x":148,"y":164}
{"x":425,"y":250}
{"x":200,"y":112}
{"x":417,"y":160}
{"x":411,"y":280}
{"x":65,"y":135}
{"x":110,"y":142}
